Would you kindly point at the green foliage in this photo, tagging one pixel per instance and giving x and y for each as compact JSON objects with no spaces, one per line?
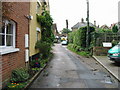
{"x":35,"y":63}
{"x":71,"y":36}
{"x":19,"y":75}
{"x":78,"y":50}
{"x":44,"y":48}
{"x":84,"y":53}
{"x":46,"y":22}
{"x":114,"y":42}
{"x":79,"y":37}
{"x":17,"y":86}
{"x":45,"y":19}
{"x":115,"y":29}
{"x":65,"y":31}
{"x":104,"y":30}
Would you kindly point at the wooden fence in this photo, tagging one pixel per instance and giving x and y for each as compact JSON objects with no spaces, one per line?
{"x":99,"y":38}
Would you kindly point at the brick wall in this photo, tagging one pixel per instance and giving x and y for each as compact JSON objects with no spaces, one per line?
{"x":16,"y":12}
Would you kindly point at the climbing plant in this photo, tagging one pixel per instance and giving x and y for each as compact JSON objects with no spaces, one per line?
{"x":47,"y":36}
{"x":46,"y":23}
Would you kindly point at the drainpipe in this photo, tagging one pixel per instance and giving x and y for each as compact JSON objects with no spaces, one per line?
{"x":0,"y":52}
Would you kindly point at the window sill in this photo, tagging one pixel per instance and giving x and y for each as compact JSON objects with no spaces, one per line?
{"x":7,"y":50}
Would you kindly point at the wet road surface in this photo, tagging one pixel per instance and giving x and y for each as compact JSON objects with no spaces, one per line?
{"x":67,"y":70}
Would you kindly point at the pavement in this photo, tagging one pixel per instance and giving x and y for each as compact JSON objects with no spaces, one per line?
{"x":111,"y":66}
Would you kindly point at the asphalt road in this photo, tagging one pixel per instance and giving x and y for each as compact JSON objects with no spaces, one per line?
{"x":68,"y":70}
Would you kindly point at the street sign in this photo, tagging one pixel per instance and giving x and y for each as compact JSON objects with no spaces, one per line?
{"x":107,"y":44}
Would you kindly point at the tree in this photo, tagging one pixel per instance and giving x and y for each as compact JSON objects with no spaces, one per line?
{"x":115,"y":29}
{"x":65,"y":31}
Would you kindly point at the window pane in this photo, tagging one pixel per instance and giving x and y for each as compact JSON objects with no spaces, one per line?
{"x":2,"y":30}
{"x":9,"y":40}
{"x":2,"y":39}
{"x":9,"y":29}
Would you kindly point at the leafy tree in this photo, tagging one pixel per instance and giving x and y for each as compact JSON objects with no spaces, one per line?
{"x":65,"y":31}
{"x":115,"y":29}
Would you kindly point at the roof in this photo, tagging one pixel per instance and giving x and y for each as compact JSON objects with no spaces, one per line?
{"x":81,"y":24}
{"x":104,"y":27}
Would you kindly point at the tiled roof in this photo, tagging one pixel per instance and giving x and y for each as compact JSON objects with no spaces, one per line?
{"x":104,"y":27}
{"x":81,"y":24}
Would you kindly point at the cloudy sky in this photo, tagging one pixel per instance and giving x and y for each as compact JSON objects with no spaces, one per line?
{"x":103,"y":11}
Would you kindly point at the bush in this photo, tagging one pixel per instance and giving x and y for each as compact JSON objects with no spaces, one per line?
{"x":84,"y":53}
{"x":19,"y":75}
{"x":77,"y":48}
{"x":44,"y":48}
{"x":79,"y":37}
{"x":35,"y":63}
{"x":114,"y":42}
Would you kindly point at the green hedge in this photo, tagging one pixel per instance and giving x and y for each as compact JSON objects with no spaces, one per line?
{"x":79,"y":37}
{"x":77,"y":49}
{"x":44,"y":48}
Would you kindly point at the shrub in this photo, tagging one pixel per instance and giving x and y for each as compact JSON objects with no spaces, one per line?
{"x":84,"y":53}
{"x":79,"y":37}
{"x":77,"y":48}
{"x":44,"y":48}
{"x":35,"y":63}
{"x":114,"y":42}
{"x":19,"y":75}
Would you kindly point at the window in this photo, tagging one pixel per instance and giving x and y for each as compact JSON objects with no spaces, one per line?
{"x":7,"y":34}
{"x":38,"y":33}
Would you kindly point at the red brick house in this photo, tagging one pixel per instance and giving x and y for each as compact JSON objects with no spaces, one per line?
{"x":14,"y":37}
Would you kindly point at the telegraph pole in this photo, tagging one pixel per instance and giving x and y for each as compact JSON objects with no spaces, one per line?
{"x":87,"y":34}
{"x":66,"y":24}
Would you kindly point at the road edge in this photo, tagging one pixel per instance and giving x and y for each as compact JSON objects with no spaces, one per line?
{"x":106,"y":68}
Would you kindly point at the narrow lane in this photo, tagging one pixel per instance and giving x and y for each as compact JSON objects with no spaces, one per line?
{"x":66,"y":70}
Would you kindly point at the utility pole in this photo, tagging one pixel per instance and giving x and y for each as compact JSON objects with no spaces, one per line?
{"x":87,"y":34}
{"x":66,"y":24}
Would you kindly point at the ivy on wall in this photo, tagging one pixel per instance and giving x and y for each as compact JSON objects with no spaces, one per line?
{"x":46,"y":23}
{"x":47,"y":36}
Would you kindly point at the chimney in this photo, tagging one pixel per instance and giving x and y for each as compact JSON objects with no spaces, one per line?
{"x":94,"y":23}
{"x":66,"y":23}
{"x":82,"y":20}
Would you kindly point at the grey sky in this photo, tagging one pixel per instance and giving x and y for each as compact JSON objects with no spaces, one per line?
{"x":103,"y":11}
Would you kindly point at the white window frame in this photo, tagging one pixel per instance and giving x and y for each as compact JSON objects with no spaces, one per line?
{"x":6,"y":23}
{"x":37,"y":32}
{"x":9,"y":49}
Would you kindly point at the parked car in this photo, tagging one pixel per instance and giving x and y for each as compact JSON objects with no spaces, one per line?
{"x":114,"y":53}
{"x":64,"y":42}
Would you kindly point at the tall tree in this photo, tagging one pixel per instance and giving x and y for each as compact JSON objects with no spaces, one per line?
{"x":65,"y":31}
